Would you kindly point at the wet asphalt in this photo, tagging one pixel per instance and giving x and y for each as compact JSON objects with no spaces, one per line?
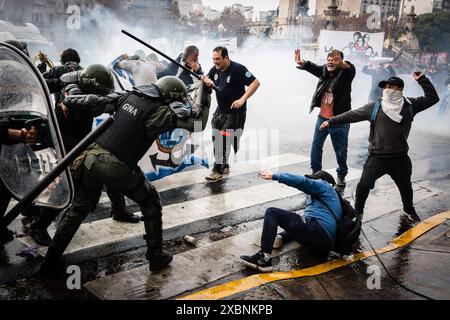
{"x":420,"y":266}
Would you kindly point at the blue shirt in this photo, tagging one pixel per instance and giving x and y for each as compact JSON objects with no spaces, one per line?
{"x":232,"y":83}
{"x":316,"y":209}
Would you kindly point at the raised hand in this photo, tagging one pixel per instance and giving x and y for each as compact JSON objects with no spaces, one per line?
{"x":298,"y":58}
{"x":417,"y":75}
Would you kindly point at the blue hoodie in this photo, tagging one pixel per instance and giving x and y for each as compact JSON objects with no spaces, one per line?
{"x":316,"y":209}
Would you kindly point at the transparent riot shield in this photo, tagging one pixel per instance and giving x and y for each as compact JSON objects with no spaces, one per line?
{"x":25,"y":103}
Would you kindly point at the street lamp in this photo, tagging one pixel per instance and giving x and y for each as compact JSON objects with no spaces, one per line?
{"x":298,"y":21}
{"x":221,"y":30}
{"x":353,"y":18}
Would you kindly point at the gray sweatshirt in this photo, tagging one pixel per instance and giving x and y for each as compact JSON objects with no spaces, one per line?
{"x":388,"y":138}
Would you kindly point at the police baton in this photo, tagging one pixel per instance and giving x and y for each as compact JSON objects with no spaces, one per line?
{"x":52,"y":175}
{"x":167,"y":57}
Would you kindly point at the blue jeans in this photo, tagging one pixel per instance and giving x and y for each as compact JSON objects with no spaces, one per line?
{"x":309,"y":233}
{"x":339,"y":138}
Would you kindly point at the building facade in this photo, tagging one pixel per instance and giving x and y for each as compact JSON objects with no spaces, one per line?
{"x":358,"y":7}
{"x":422,"y":6}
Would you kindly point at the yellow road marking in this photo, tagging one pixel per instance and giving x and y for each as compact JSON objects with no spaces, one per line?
{"x":247,"y":283}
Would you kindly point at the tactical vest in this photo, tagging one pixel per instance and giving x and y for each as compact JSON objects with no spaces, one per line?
{"x":128,"y":138}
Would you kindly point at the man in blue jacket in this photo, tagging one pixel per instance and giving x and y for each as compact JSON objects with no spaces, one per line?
{"x":315,"y":230}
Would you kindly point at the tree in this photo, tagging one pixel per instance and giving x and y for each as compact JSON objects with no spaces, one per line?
{"x":175,"y":10}
{"x":433,"y":31}
{"x":232,"y":20}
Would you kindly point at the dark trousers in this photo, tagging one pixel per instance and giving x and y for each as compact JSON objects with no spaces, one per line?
{"x":400,"y":170}
{"x":227,"y":131}
{"x":105,"y":169}
{"x":309,"y":233}
{"x":5,"y":198}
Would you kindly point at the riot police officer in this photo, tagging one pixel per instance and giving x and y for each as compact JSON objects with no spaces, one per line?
{"x":74,"y":126}
{"x":141,"y":115}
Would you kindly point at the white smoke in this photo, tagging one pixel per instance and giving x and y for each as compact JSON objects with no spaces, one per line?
{"x":283,"y":99}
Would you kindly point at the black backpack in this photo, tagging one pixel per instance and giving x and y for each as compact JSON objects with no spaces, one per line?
{"x":348,"y":228}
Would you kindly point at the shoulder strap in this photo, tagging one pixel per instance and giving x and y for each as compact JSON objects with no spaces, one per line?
{"x":375,"y":110}
{"x":410,"y":107}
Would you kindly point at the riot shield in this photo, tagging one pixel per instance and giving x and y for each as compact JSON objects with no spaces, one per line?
{"x":25,"y":103}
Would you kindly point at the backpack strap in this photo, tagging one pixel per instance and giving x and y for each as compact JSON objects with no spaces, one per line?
{"x":375,"y":110}
{"x":410,"y":107}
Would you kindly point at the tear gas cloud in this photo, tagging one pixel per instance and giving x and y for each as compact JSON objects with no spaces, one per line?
{"x":283,"y":99}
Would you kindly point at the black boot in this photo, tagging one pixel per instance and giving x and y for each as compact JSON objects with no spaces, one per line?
{"x":153,"y":228}
{"x":53,"y":264}
{"x":159,"y":259}
{"x":40,"y":236}
{"x":38,"y":229}
{"x":125,"y":216}
{"x":118,"y":208}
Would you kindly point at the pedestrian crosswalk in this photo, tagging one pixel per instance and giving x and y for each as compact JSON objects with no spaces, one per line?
{"x":199,"y":267}
{"x":221,"y":207}
{"x":106,"y":236}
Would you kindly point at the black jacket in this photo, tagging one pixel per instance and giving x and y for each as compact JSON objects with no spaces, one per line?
{"x":388,"y":138}
{"x":52,"y":76}
{"x":340,"y":82}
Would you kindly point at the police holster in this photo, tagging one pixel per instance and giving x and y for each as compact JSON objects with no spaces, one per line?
{"x":76,"y":166}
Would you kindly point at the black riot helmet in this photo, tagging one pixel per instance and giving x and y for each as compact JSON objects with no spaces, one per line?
{"x":22,"y":46}
{"x":97,"y":79}
{"x":171,"y":89}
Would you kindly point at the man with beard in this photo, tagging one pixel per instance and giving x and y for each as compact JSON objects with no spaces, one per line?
{"x":332,"y":97}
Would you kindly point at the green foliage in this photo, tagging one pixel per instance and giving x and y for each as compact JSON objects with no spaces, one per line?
{"x":433,"y":31}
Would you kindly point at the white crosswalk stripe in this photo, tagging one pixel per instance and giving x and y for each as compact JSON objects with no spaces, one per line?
{"x":197,"y":215}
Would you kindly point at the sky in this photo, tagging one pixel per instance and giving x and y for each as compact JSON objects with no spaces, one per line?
{"x":263,"y":5}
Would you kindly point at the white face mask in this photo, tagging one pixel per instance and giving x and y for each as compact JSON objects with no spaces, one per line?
{"x":393,"y":96}
{"x":392,"y":104}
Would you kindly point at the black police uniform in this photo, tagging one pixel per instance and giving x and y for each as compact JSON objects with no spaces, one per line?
{"x":232,"y":84}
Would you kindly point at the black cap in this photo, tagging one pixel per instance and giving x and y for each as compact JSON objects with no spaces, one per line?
{"x":322,"y":175}
{"x":392,"y":80}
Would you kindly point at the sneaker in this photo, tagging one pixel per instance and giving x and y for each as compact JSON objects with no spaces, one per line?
{"x":412,"y":215}
{"x":214,"y":176}
{"x":226,"y":169}
{"x":258,"y":261}
{"x":359,"y":214}
{"x":341,"y":181}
